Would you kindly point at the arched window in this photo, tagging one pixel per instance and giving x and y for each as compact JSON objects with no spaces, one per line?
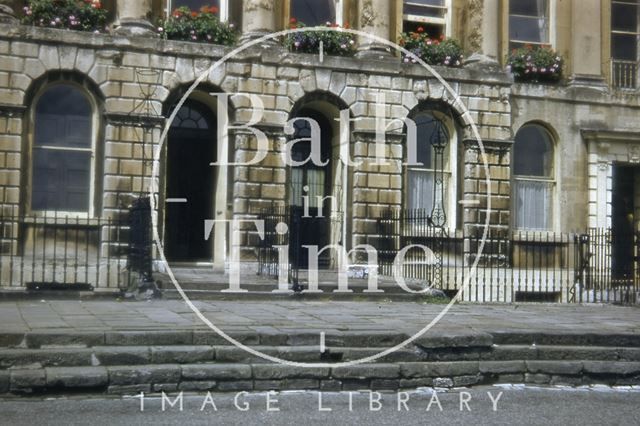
{"x":423,"y":170}
{"x":533,"y":178}
{"x":62,"y":151}
{"x":190,"y":118}
{"x":316,"y":12}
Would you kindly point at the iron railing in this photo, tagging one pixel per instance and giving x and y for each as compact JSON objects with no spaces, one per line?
{"x":60,"y":251}
{"x":517,"y":266}
{"x":509,"y":266}
{"x":624,"y":74}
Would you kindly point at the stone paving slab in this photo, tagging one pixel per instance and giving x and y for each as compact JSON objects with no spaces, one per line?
{"x":275,"y":317}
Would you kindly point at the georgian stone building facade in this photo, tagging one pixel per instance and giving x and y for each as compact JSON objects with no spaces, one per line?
{"x":561,"y":156}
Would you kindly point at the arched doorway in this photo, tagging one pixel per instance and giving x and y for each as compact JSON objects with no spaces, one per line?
{"x":190,"y":183}
{"x":315,"y":192}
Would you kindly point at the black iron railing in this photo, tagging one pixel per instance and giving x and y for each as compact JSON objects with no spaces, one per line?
{"x":62,"y":251}
{"x":509,"y":266}
{"x":536,"y":266}
{"x":624,"y":74}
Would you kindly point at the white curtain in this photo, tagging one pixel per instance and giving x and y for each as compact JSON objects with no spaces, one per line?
{"x":315,"y":183}
{"x":533,"y":204}
{"x":420,"y":186}
{"x":543,"y":18}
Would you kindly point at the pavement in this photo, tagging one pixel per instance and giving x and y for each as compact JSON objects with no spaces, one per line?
{"x":288,"y":316}
{"x":124,"y":347}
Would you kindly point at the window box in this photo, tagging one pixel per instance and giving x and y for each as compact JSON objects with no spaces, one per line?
{"x":445,"y":52}
{"x":202,"y":26}
{"x":66,"y":14}
{"x":333,"y":42}
{"x":536,"y":64}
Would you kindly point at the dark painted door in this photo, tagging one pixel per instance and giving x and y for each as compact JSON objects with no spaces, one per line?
{"x":310,"y":217}
{"x":191,"y":149}
{"x":623,"y":222}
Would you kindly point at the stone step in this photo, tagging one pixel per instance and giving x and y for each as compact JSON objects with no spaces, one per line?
{"x":464,"y":338}
{"x":249,"y":377}
{"x":21,"y":358}
{"x":276,"y":337}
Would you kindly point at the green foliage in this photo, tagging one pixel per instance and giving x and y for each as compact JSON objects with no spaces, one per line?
{"x":333,"y":42}
{"x":535,"y":64}
{"x":80,"y":15}
{"x":447,"y":52}
{"x":203,"y":26}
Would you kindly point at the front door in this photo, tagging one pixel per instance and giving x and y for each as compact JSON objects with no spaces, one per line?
{"x":309,"y":193}
{"x":622,"y":222}
{"x":190,"y":186}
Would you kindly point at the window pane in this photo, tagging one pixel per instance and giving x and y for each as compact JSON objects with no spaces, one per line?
{"x":195,"y":4}
{"x":533,"y":30}
{"x":427,"y":8}
{"x":64,"y":100}
{"x":533,"y":205}
{"x":61,"y":180}
{"x":533,"y":152}
{"x":313,"y":12}
{"x":528,"y":7}
{"x":427,"y":125}
{"x":624,"y":17}
{"x":424,"y":2}
{"x":316,"y":184}
{"x":297,"y":182}
{"x":63,"y":118}
{"x":420,"y":187}
{"x":192,"y":116}
{"x":624,"y":46}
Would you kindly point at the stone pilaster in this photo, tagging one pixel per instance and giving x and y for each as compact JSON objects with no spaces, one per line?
{"x":374,"y":17}
{"x":7,"y":11}
{"x":481,"y":31}
{"x":133,"y":18}
{"x":586,"y":43}
{"x":258,"y":18}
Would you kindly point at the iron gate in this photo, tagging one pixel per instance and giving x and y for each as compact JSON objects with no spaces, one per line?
{"x":287,"y":230}
{"x":607,"y":267}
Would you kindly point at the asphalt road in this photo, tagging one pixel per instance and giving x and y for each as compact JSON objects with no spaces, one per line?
{"x":522,"y":406}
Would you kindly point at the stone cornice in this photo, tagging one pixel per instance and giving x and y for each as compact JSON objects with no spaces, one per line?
{"x":606,"y":136}
{"x":274,"y":55}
